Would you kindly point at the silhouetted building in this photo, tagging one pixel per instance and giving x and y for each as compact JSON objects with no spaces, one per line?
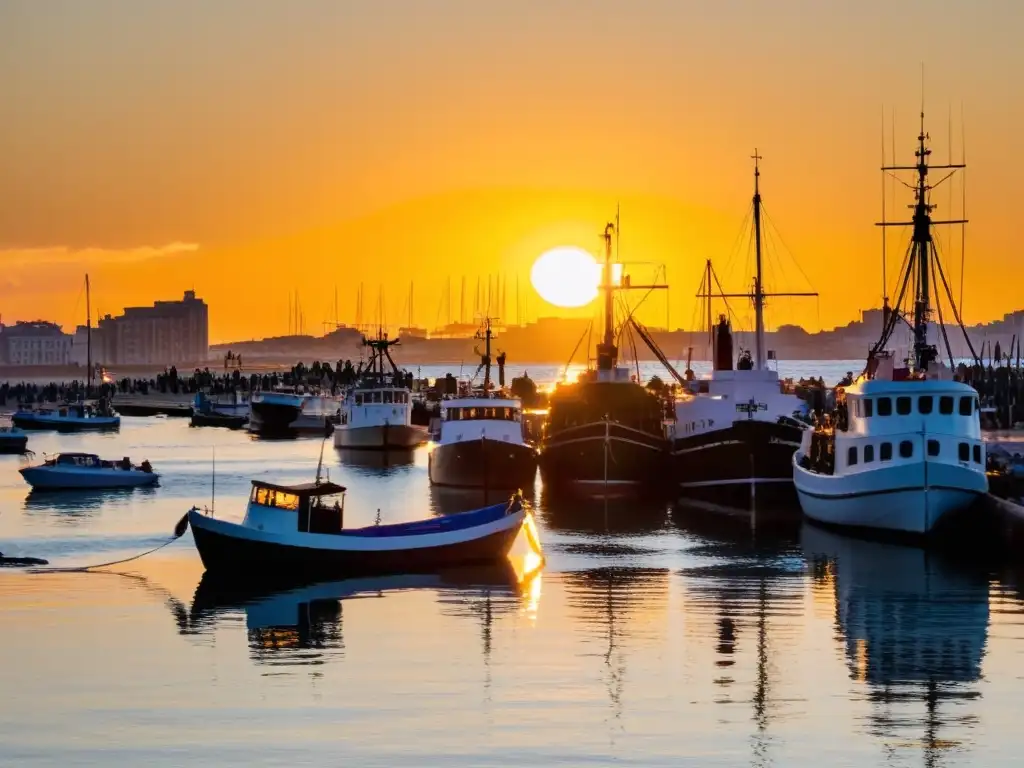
{"x":34,"y":343}
{"x":168,"y":333}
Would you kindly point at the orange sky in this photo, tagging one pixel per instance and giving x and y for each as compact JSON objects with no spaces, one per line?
{"x":249,"y":148}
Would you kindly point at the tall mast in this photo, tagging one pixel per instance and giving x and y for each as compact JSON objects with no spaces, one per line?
{"x":758,"y":282}
{"x":88,"y":337}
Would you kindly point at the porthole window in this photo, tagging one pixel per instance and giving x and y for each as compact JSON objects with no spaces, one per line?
{"x":964,"y":452}
{"x":851,"y":456}
{"x":884,"y":406}
{"x":869,"y":453}
{"x":903,"y":406}
{"x":906,"y":449}
{"x":933,"y":447}
{"x":966,"y":405}
{"x":885,"y":452}
{"x":977,"y":454}
{"x":925,"y":403}
{"x":946,"y":405}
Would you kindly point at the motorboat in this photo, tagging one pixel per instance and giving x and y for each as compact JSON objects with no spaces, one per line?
{"x":903,"y":451}
{"x":210,"y":413}
{"x":12,"y":439}
{"x":734,"y":435}
{"x":377,"y":414}
{"x":299,"y":530}
{"x":287,"y":411}
{"x":479,"y":440}
{"x":69,"y":417}
{"x":68,"y":471}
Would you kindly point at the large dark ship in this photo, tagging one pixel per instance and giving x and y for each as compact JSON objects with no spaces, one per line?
{"x":604,"y":434}
{"x":734,"y":437}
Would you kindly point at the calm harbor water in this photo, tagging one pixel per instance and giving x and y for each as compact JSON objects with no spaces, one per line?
{"x":654,"y":635}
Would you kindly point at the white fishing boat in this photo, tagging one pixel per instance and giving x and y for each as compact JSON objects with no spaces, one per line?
{"x":377,"y":414}
{"x":734,"y":435}
{"x":904,"y":451}
{"x":70,"y":471}
{"x":479,"y":440}
{"x":290,"y":411}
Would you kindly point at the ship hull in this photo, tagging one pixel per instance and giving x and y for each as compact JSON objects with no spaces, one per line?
{"x":480,"y":463}
{"x":747,"y":462}
{"x":385,"y":437}
{"x":604,"y":458}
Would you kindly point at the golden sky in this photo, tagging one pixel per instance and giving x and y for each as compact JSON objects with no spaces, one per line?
{"x":250,"y":148}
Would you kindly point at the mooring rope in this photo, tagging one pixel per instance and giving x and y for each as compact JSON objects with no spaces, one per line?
{"x":179,"y":531}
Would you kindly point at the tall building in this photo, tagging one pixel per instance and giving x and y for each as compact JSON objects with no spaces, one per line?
{"x":34,"y":343}
{"x":168,"y":333}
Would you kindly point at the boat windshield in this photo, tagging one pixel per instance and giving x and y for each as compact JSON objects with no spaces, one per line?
{"x":268,"y":497}
{"x":496,"y":413}
{"x":78,"y":459}
{"x":389,"y":396}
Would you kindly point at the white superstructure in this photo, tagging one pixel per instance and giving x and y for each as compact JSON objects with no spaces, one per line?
{"x":906,"y":455}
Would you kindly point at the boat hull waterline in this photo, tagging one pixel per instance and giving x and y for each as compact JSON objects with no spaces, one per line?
{"x":482,"y":463}
{"x":39,"y":421}
{"x":230,"y":547}
{"x":384,"y":437}
{"x":906,"y":498}
{"x":750,"y":459}
{"x":62,"y":478}
{"x":595,"y":457}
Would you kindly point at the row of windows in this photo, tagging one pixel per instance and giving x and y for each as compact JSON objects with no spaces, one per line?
{"x":907,"y":452}
{"x":883,"y":406}
{"x":385,"y":396}
{"x":491,"y":414}
{"x":271,"y":498}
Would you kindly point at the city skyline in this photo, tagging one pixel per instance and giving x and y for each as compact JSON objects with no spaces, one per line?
{"x":300,"y":157}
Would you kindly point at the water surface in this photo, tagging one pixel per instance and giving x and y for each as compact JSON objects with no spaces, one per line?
{"x":653,"y":635}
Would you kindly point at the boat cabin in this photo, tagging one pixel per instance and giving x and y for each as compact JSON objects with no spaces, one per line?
{"x":83,"y":460}
{"x":317,"y":507}
{"x":377,"y":406}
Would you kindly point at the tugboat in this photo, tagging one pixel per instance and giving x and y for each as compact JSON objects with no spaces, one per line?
{"x":290,"y":411}
{"x":75,"y":471}
{"x":604,"y":434}
{"x":734,"y":438}
{"x":479,"y":442}
{"x":904,"y":451}
{"x":377,"y":414}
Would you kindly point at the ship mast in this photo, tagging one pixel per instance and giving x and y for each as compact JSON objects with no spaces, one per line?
{"x":923,"y":264}
{"x":486,"y":335}
{"x":758,"y":282}
{"x":88,"y":338}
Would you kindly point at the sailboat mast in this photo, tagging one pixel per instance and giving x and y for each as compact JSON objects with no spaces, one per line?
{"x":487,"y":355}
{"x":758,"y":282}
{"x":88,"y":336}
{"x":606,"y":286}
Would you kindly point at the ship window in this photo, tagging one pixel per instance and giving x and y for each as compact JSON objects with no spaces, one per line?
{"x":359,"y":399}
{"x":851,"y":456}
{"x":906,"y":449}
{"x":966,"y":405}
{"x":903,"y":406}
{"x":260,"y":496}
{"x":454,"y":414}
{"x":376,"y":397}
{"x":884,"y":406}
{"x":965,"y":452}
{"x":946,"y":405}
{"x":388,"y":396}
{"x":869,"y":453}
{"x":925,"y":403}
{"x":977,"y":454}
{"x":869,"y":405}
{"x":885,"y":452}
{"x":856,"y":407}
{"x":933,"y":447}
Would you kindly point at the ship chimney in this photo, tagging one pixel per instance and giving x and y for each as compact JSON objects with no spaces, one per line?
{"x":723,"y":345}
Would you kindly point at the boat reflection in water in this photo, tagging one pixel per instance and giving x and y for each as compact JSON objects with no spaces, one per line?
{"x":84,"y":503}
{"x":301,"y":623}
{"x":375,"y":463}
{"x":914,"y":627}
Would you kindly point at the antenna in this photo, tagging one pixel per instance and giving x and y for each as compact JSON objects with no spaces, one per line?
{"x":885,"y":280}
{"x":213,"y":482}
{"x":963,"y":204}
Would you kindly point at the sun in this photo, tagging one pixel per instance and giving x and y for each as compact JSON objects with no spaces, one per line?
{"x":566,"y":276}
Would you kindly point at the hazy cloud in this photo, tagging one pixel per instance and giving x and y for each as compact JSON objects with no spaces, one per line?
{"x":19,"y":257}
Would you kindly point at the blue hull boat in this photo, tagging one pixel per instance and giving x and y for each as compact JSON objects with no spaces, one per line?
{"x":75,"y":471}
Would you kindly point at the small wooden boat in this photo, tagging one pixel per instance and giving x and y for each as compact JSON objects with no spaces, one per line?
{"x":72,"y":417}
{"x":12,"y":440}
{"x":72,"y":471}
{"x":298,"y":530}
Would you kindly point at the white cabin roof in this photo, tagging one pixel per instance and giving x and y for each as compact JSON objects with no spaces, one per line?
{"x":873,"y":387}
